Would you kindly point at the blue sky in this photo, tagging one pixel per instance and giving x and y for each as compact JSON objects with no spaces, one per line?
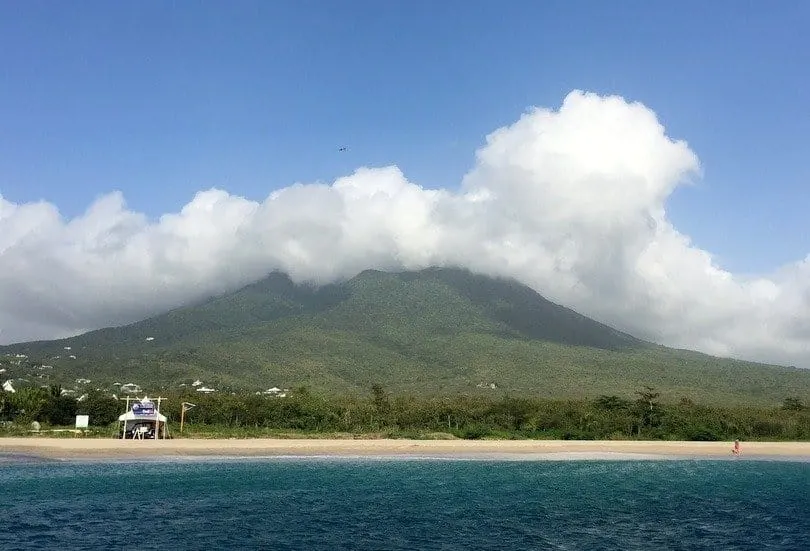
{"x":162,"y":99}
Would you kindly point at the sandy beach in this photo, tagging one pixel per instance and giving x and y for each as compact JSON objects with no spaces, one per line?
{"x":94,"y":448}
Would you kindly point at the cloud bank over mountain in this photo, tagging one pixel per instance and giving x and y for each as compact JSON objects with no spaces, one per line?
{"x":571,"y":201}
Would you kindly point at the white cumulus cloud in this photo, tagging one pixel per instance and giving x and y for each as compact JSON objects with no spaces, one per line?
{"x":571,"y":201}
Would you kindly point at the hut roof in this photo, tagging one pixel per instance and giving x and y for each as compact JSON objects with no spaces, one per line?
{"x":131,"y":416}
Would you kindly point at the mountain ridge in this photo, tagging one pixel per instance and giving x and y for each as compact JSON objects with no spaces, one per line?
{"x":436,"y":330}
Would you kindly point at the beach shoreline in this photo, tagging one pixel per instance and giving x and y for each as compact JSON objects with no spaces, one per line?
{"x":96,"y":448}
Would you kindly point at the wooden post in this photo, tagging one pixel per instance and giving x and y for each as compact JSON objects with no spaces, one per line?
{"x":183,"y":409}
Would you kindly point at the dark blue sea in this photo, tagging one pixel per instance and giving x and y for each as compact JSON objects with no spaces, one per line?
{"x":296,"y":503}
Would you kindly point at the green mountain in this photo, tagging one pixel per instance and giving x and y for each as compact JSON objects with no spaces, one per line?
{"x":434,"y":331}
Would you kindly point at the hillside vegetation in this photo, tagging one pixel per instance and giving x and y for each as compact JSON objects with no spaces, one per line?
{"x":430,"y":332}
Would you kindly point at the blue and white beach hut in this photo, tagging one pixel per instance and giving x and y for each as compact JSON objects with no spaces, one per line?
{"x":142,"y":421}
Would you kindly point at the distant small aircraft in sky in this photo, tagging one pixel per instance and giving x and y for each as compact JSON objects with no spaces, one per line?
{"x":343,"y":149}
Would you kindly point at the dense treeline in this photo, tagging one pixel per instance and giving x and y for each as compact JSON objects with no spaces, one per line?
{"x":49,"y":405}
{"x":607,"y":417}
{"x":507,"y":417}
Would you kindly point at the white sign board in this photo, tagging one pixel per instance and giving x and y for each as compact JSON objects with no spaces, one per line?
{"x":82,"y":421}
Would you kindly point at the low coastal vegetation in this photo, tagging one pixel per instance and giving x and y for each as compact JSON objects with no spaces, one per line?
{"x":378,"y":414}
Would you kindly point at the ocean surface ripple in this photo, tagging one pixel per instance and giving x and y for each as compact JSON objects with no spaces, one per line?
{"x":408,"y":504}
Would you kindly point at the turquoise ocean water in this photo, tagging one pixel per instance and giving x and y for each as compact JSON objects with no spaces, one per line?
{"x":356,"y":503}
